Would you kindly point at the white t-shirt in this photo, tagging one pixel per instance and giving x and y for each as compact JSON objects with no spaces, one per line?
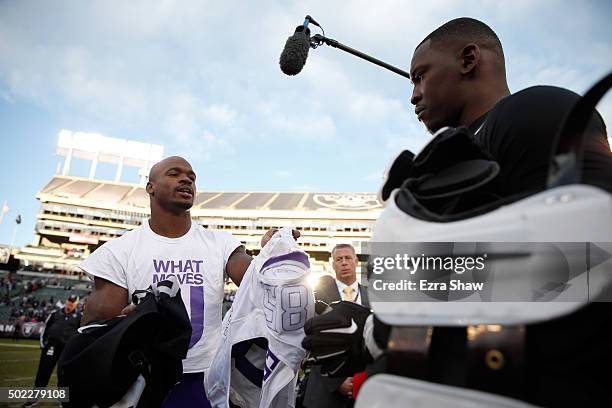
{"x":141,"y":257}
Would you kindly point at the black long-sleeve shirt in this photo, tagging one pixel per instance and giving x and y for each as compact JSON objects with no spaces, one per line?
{"x":59,"y":327}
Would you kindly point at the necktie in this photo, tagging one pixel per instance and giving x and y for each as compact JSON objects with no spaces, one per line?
{"x":348,"y":294}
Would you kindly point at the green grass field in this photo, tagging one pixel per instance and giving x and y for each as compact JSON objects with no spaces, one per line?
{"x":18,"y":364}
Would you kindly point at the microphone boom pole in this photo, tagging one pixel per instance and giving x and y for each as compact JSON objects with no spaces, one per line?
{"x":318,"y":39}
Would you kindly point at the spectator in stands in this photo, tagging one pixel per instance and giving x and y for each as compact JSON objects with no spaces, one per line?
{"x":32,"y":309}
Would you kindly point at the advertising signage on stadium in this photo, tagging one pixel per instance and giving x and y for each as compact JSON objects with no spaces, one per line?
{"x":27,"y":330}
{"x":83,"y":238}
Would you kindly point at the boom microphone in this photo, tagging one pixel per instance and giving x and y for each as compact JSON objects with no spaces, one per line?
{"x":293,"y":57}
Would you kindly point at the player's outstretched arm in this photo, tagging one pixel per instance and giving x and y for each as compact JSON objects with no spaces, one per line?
{"x":237,"y":264}
{"x":106,"y":301}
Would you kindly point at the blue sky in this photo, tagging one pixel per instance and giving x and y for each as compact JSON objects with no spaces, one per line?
{"x":202,"y":79}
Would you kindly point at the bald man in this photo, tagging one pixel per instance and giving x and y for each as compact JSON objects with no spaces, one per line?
{"x":459,"y":77}
{"x":170,"y":243}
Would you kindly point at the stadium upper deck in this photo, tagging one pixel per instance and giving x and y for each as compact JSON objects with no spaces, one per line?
{"x":79,"y":214}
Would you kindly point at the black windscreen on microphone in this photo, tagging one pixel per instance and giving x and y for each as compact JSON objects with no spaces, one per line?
{"x":293,"y":57}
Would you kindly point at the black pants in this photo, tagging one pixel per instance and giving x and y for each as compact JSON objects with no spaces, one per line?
{"x":48,"y":358}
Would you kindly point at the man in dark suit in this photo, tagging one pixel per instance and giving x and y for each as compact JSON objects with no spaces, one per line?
{"x":323,"y":392}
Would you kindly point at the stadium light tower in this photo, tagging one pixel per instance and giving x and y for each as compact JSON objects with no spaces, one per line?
{"x":102,"y":149}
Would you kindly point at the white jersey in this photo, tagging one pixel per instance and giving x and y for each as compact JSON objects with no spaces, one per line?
{"x":261,"y":352}
{"x":140,"y":258}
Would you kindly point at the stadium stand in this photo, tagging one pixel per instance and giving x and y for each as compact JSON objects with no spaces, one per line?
{"x":79,"y":214}
{"x":31,"y":297}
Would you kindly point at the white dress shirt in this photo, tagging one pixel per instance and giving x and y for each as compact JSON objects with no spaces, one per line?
{"x":356,"y":293}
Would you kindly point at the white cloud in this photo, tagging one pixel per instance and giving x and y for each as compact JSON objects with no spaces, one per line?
{"x":206,"y":74}
{"x":221,"y":114}
{"x":202,"y":78}
{"x":564,"y":76}
{"x":203,"y":146}
{"x":181,"y":125}
{"x":303,"y":125}
{"x":376,"y":107}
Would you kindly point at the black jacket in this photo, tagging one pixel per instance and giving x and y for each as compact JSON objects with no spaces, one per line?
{"x":59,"y":327}
{"x":105,"y":358}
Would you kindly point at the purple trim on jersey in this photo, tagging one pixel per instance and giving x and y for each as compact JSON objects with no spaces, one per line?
{"x":242,"y":363}
{"x":196,"y":303}
{"x":248,"y":370}
{"x":189,"y":392}
{"x":291,"y":256}
{"x":268,"y":370}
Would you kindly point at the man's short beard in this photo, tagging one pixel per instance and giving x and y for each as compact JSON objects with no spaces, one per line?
{"x":176,"y":207}
{"x":435,"y":127}
{"x":183,"y":206}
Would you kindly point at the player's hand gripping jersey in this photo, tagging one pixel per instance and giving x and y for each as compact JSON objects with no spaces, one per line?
{"x":261,"y":353}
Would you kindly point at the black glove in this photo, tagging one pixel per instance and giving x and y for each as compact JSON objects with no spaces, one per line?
{"x":335,"y":339}
{"x":400,"y":170}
